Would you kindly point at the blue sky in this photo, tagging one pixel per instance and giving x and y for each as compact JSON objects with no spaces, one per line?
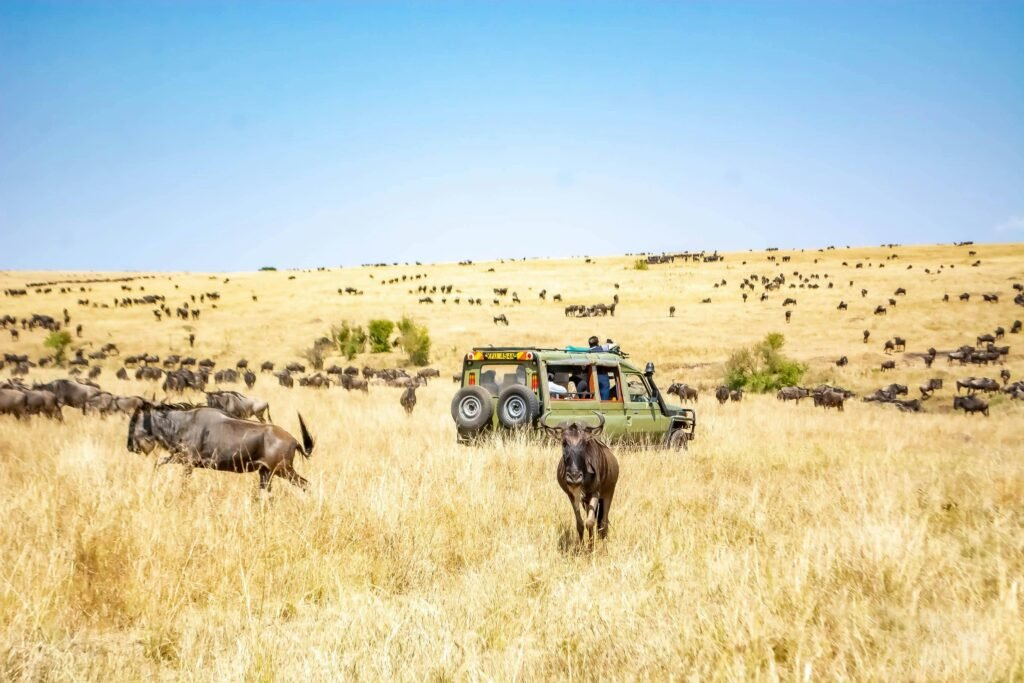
{"x":206,"y":136}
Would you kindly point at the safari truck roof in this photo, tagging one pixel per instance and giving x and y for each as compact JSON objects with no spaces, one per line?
{"x":566,"y":356}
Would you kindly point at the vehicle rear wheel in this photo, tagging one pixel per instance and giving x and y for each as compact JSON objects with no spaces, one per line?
{"x":472,"y":408}
{"x":517,"y":407}
{"x":679,"y":440}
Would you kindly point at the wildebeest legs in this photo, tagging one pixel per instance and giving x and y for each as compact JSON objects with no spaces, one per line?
{"x":576,"y":505}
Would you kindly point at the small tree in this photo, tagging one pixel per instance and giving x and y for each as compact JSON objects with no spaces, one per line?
{"x":380,"y":335}
{"x":763,"y":367}
{"x":59,"y":341}
{"x":415,"y":341}
{"x":350,"y":341}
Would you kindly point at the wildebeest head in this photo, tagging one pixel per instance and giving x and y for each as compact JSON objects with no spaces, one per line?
{"x":577,"y":458}
{"x":140,"y":430}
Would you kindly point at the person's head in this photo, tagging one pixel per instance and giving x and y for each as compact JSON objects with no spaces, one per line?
{"x":593,"y":341}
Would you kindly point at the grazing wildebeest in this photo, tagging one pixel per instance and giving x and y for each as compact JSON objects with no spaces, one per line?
{"x":239,"y":405}
{"x":428,"y":372}
{"x":880,"y":310}
{"x":242,"y":364}
{"x":888,"y":365}
{"x":842,"y":362}
{"x":267,"y":366}
{"x":250,"y":378}
{"x":684,"y":391}
{"x":408,"y":399}
{"x":900,"y":291}
{"x":122,"y":374}
{"x":351,"y":382}
{"x":991,"y":298}
{"x":842,"y":306}
{"x":792,"y":394}
{"x":722,"y":394}
{"x":965,"y":297}
{"x":999,"y":332}
{"x":970,"y":404}
{"x":587,"y":472}
{"x":985,"y":339}
{"x":501,"y":319}
{"x":211,"y":439}
{"x":929,"y":387}
{"x":890,"y":346}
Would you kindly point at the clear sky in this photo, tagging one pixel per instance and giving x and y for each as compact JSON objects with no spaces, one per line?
{"x":206,"y":136}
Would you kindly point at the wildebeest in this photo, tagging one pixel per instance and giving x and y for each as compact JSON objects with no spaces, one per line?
{"x":736,"y":395}
{"x":1004,"y":375}
{"x":284,"y":378}
{"x":587,"y":473}
{"x":722,"y":394}
{"x":928,"y":388}
{"x":970,"y":404}
{"x":295,"y":367}
{"x":501,"y":319}
{"x":889,"y":346}
{"x":684,"y":391}
{"x":1015,"y":327}
{"x":267,"y":366}
{"x":792,"y":394}
{"x":351,"y":382}
{"x":239,"y":405}
{"x":12,"y":402}
{"x":880,"y":310}
{"x":888,"y":365}
{"x":250,"y":378}
{"x":227,"y":376}
{"x":867,"y":333}
{"x":69,"y":392}
{"x":830,"y":399}
{"x":408,"y":399}
{"x":842,"y":362}
{"x":212,"y":439}
{"x":973,"y":384}
{"x":900,"y":342}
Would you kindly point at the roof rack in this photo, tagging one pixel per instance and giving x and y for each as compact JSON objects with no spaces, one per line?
{"x":566,"y":349}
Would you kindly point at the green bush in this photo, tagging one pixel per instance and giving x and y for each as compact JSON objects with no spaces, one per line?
{"x":380,"y":335}
{"x":415,"y":341}
{"x":350,"y":341}
{"x":640,"y":264}
{"x":59,"y":341}
{"x":763,"y":367}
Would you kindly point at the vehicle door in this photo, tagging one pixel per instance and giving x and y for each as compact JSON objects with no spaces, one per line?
{"x":641,"y":408}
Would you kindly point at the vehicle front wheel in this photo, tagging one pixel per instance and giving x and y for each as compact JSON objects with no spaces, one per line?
{"x":472,"y":408}
{"x":679,"y":440}
{"x":517,"y":407}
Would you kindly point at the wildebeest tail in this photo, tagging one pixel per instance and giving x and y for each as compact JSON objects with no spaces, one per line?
{"x":307,"y":439}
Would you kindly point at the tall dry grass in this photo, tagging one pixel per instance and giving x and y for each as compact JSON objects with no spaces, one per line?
{"x":788,"y":543}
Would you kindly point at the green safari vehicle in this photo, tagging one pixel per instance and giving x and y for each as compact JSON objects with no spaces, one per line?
{"x":515,"y":388}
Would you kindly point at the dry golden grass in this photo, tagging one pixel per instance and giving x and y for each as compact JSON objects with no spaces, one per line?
{"x":789,"y":543}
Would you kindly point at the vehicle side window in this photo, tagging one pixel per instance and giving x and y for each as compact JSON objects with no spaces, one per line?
{"x":636,"y":388}
{"x":571,"y":382}
{"x":608,"y":383}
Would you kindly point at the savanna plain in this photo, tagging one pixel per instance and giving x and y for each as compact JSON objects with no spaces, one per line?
{"x":788,"y":543}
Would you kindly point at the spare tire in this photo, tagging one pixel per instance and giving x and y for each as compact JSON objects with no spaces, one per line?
{"x":517,"y":407}
{"x":472,"y":408}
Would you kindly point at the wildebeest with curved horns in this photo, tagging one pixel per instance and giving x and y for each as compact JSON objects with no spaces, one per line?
{"x":587,"y":472}
{"x":211,"y":439}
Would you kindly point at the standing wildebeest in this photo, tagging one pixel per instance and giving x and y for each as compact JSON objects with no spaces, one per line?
{"x":250,"y":379}
{"x":890,"y":346}
{"x":842,"y":362}
{"x":985,"y":339}
{"x":929,"y":388}
{"x":1004,"y":375}
{"x":970,"y":404}
{"x":672,"y":310}
{"x":267,"y":366}
{"x":69,"y":392}
{"x":792,"y":394}
{"x":830,"y":399}
{"x":880,"y":310}
{"x":684,"y":391}
{"x":888,"y":365}
{"x":12,"y":402}
{"x":736,"y":395}
{"x":900,"y":342}
{"x":237,"y":405}
{"x":211,"y":439}
{"x":284,"y":378}
{"x":973,"y":384}
{"x":722,"y":394}
{"x":789,"y":314}
{"x":408,"y":399}
{"x":587,"y":472}
{"x":867,"y":333}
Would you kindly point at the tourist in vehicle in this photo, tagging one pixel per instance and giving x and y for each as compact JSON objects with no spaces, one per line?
{"x":555,"y":389}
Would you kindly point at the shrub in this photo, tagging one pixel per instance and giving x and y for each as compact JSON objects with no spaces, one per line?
{"x":640,"y":264}
{"x":762,"y":367}
{"x":59,"y":341}
{"x":268,"y":268}
{"x":380,"y":335}
{"x":315,"y":356}
{"x":415,"y":341}
{"x":350,"y":341}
